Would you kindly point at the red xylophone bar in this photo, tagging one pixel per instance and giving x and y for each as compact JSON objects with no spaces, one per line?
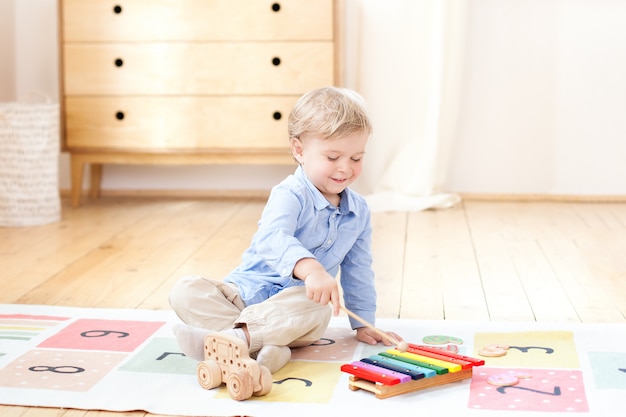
{"x":461,"y":362}
{"x":474,"y":361}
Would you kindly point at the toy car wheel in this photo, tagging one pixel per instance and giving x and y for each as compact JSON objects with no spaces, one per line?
{"x":209,"y":374}
{"x":266,"y":382}
{"x":240,"y":385}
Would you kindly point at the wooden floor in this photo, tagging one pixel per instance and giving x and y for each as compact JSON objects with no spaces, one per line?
{"x":484,"y":261}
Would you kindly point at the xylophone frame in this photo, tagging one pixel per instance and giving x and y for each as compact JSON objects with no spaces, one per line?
{"x":385,"y":391}
{"x":461,"y":367}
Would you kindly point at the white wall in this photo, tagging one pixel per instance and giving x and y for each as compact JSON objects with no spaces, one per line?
{"x":542,"y":108}
{"x":545,"y":101}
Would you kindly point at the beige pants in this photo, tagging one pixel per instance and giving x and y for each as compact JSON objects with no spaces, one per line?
{"x":288,"y":318}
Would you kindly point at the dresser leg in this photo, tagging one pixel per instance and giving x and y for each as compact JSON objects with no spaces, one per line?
{"x":77,"y":179}
{"x":95,"y":181}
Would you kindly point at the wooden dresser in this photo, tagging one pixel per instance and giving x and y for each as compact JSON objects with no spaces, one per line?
{"x":187,"y":81}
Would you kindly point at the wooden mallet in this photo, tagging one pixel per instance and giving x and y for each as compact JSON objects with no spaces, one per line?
{"x":401,"y":345}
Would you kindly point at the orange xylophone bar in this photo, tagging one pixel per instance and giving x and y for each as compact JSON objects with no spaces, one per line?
{"x":385,"y":383}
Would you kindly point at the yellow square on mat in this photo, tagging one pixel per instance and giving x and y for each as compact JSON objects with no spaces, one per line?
{"x":301,"y":382}
{"x":534,"y":349}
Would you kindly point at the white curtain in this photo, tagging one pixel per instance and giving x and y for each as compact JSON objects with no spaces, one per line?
{"x":405,"y":57}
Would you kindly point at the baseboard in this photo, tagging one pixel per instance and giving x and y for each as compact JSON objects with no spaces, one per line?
{"x":212,"y":194}
{"x":557,"y":198}
{"x":263,"y":194}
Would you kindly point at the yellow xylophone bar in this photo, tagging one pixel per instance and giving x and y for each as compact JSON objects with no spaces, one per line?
{"x":451,"y":367}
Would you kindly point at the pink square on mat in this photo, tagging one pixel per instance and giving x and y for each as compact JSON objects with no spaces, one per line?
{"x":547,"y":390}
{"x":108,"y":335}
{"x":60,"y":370}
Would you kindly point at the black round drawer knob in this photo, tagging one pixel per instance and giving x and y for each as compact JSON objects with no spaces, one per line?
{"x":119,"y":115}
{"x":276,"y":7}
{"x":277,"y":115}
{"x":276,"y":61}
{"x":119,"y":62}
{"x":117,"y":9}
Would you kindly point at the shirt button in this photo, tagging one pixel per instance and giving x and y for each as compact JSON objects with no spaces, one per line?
{"x":329,"y":241}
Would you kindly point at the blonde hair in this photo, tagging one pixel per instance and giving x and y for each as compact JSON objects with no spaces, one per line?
{"x":330,"y":112}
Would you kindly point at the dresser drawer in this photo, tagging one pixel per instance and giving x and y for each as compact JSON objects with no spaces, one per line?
{"x":180,"y":20}
{"x":157,"y":124}
{"x":197,"y":68}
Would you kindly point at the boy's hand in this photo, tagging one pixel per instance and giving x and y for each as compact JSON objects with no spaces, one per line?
{"x":371,"y":337}
{"x":322,"y":288}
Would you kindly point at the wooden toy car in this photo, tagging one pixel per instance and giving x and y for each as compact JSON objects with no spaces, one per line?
{"x":227,"y":360}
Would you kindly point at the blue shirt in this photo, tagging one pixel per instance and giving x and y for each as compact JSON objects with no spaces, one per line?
{"x":299,"y":222}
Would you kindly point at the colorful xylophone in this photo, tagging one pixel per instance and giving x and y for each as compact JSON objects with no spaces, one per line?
{"x":393,"y":372}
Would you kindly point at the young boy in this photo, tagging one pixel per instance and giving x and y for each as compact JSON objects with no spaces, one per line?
{"x":312,"y":226}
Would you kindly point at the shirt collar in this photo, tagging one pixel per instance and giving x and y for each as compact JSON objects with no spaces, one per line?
{"x":320,"y":202}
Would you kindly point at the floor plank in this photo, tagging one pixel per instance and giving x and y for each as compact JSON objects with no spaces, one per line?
{"x":422,"y":283}
{"x":441,"y":278}
{"x":463,"y":293}
{"x":490,"y":227}
{"x":43,"y":251}
{"x":592,"y":302}
{"x":217,"y":254}
{"x":388,"y":241}
{"x":125,"y":264}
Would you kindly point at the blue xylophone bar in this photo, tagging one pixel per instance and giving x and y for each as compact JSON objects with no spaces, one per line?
{"x":393,"y":367}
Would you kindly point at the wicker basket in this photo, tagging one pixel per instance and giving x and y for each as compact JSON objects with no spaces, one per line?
{"x":29,"y":164}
